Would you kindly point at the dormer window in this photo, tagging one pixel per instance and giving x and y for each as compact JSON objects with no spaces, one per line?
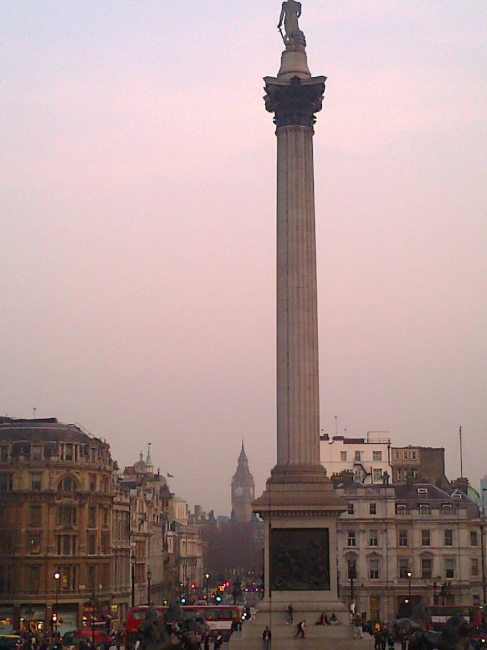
{"x":424,"y":509}
{"x":422,"y":490}
{"x":36,"y":452}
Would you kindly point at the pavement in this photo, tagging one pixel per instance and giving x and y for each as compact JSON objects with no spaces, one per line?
{"x":318,"y":637}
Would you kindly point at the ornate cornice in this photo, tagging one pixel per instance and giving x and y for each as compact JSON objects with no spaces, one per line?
{"x":294,"y":102}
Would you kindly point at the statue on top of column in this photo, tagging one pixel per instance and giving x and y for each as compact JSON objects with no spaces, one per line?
{"x":290,"y":12}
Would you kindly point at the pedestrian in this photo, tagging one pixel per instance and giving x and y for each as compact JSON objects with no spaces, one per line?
{"x":357,"y":627}
{"x":290,"y":614}
{"x":300,"y":630}
{"x":391,"y":640}
{"x":377,"y":639}
{"x":266,"y":638}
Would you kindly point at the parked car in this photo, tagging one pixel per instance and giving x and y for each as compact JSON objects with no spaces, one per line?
{"x":10,"y":641}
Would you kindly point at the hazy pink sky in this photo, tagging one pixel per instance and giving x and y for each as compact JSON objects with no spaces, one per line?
{"x":137,"y":225}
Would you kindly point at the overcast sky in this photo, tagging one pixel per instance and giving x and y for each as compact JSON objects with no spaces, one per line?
{"x":137,"y":226}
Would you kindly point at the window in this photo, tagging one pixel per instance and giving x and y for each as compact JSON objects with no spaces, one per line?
{"x":474,"y":567}
{"x":449,"y":568}
{"x":66,"y":515}
{"x":352,"y":569}
{"x":91,"y":578}
{"x":399,"y":474}
{"x":376,"y":475}
{"x":68,"y":452}
{"x":403,"y":538}
{"x":397,"y":455}
{"x":373,"y":508}
{"x":424,"y":509}
{"x":374,"y":569}
{"x":5,"y":482}
{"x":343,"y":455}
{"x":35,"y":515}
{"x":425,"y":538}
{"x":406,"y":455}
{"x":92,"y":482}
{"x":67,"y":485}
{"x":351,"y":538}
{"x":36,"y":452}
{"x":105,"y":517}
{"x":376,"y":455}
{"x":358,"y":456}
{"x":34,"y":544}
{"x":351,"y":509}
{"x":426,"y":568}
{"x":4,"y":454}
{"x":66,"y":545}
{"x":92,"y":517}
{"x":413,"y":455}
{"x":401,"y":509}
{"x":105,"y":543}
{"x":33,"y":577}
{"x":373,"y":540}
{"x":473,"y":538}
{"x":5,"y":579}
{"x":68,"y":578}
{"x":403,"y":568}
{"x":91,"y":545}
{"x":36,"y":481}
{"x":448,"y":538}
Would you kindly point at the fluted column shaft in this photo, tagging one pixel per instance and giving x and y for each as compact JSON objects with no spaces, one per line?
{"x":297,"y":318}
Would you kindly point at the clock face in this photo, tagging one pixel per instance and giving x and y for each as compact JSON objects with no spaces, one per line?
{"x":239,"y":491}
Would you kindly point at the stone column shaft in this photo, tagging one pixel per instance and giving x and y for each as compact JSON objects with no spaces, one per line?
{"x":297,"y":320}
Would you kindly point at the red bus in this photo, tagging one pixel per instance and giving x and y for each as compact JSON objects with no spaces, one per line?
{"x":219,"y":618}
{"x":441,"y":613}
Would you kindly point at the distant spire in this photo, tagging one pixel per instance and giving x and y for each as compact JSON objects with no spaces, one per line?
{"x":148,"y":460}
{"x":242,"y":459}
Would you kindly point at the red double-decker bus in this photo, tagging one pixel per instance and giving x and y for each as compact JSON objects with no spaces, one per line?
{"x":441,"y":613}
{"x":221,"y":619}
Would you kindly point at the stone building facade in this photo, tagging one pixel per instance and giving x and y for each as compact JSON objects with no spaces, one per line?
{"x":400,"y":544}
{"x":367,"y":459}
{"x":423,"y":464}
{"x":56,"y":499}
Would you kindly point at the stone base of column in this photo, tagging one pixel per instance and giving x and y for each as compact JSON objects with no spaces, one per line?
{"x":300,"y":510}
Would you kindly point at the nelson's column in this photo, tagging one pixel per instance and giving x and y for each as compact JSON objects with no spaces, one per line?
{"x":299,"y":505}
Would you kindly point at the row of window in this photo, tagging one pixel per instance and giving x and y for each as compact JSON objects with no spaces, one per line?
{"x":68,"y":544}
{"x":66,"y":485}
{"x":68,"y":515}
{"x":358,"y":456}
{"x":68,"y":581}
{"x":67,"y":451}
{"x":403,"y":538}
{"x":405,"y":454}
{"x":404,"y":568}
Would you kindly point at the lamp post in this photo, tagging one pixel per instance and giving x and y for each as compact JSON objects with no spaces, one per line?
{"x":132,"y":572}
{"x":409,"y":575}
{"x":207,"y":578}
{"x":93,"y":606}
{"x":352,"y":574}
{"x":443,"y":592}
{"x":149,"y":578}
{"x":55,"y":618}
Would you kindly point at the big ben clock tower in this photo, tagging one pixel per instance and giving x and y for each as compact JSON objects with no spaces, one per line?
{"x":242,"y":489}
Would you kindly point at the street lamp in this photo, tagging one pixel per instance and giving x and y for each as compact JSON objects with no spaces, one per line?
{"x":55,"y":618}
{"x":207,"y":578}
{"x":93,"y":606}
{"x":409,"y":575}
{"x":352,"y":574}
{"x":132,"y":563}
{"x":149,"y":577}
{"x":444,"y":592}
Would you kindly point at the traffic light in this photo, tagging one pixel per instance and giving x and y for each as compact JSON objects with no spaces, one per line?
{"x":218,"y":598}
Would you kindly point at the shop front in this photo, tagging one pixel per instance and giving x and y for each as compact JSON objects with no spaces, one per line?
{"x":32,"y":618}
{"x":6,"y":619}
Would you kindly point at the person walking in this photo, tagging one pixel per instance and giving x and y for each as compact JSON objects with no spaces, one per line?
{"x":290,"y":615}
{"x":357,"y":627}
{"x":300,"y":630}
{"x":266,"y":638}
